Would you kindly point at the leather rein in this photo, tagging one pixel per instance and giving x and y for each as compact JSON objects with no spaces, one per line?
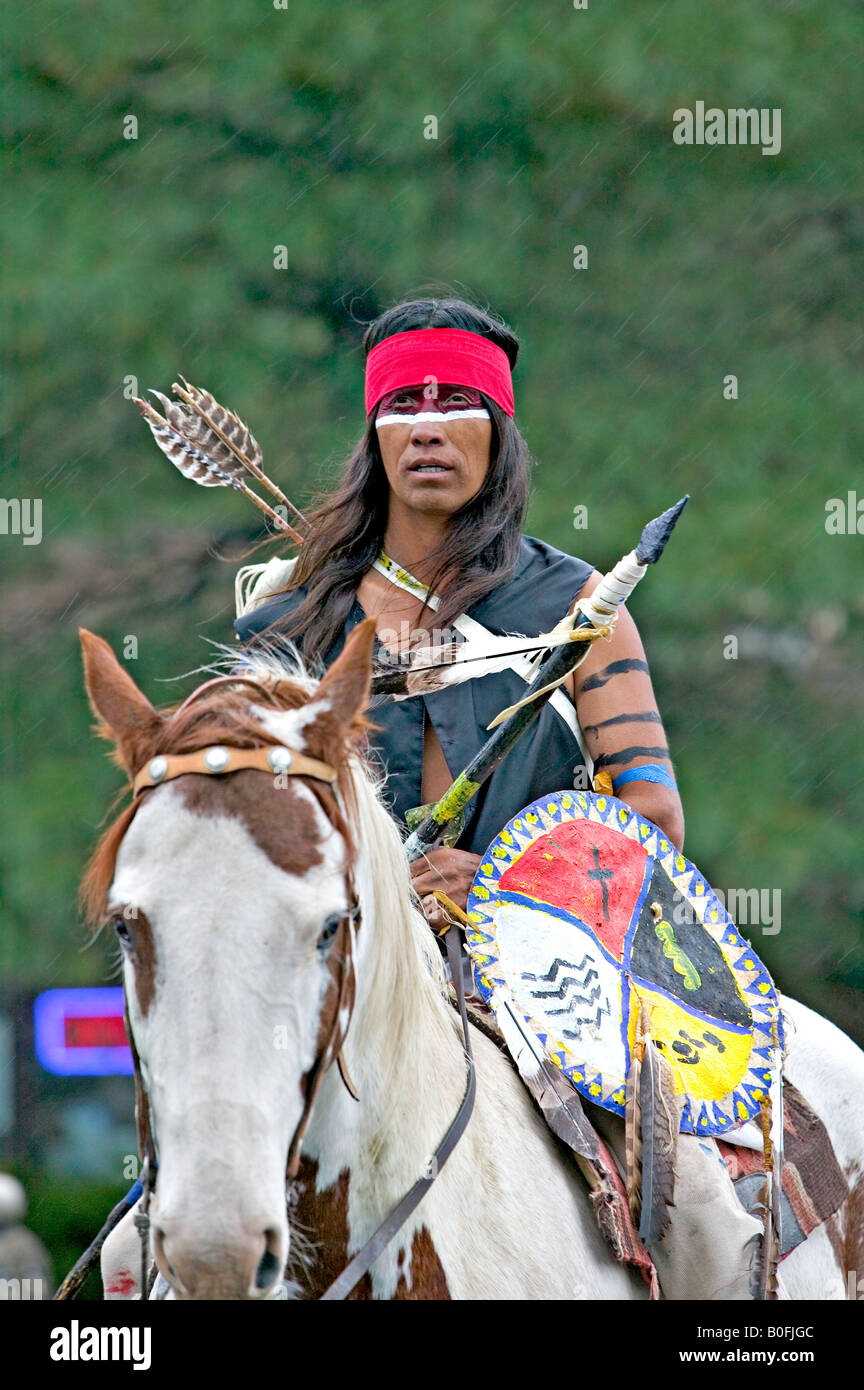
{"x":276,"y":759}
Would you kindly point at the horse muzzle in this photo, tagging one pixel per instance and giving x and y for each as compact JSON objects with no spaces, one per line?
{"x":244,"y":1263}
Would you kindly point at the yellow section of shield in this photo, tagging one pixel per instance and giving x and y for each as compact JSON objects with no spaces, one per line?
{"x":709,"y":1059}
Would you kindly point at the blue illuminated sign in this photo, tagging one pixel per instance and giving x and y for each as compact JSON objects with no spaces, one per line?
{"x":80,"y":1032}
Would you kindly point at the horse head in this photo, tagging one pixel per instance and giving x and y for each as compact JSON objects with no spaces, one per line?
{"x":232,"y":898}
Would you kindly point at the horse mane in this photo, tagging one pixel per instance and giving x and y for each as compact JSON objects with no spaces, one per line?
{"x":402,"y":981}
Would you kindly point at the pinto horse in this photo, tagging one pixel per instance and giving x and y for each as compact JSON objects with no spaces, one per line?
{"x":267,"y":925}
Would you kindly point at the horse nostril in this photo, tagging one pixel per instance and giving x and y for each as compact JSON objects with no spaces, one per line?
{"x":269,"y":1269}
{"x":163,"y":1264}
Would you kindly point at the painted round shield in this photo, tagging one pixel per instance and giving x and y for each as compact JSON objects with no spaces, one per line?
{"x":580,"y":911}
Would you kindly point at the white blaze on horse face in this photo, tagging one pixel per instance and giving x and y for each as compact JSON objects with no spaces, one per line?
{"x":289,"y":725}
{"x":232,"y":1025}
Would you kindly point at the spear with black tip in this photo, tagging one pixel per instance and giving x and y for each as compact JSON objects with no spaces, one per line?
{"x":595,"y":617}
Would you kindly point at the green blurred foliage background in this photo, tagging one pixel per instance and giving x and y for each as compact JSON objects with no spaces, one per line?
{"x":304,"y":127}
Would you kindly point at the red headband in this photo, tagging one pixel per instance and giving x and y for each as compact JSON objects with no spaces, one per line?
{"x":448,"y":355}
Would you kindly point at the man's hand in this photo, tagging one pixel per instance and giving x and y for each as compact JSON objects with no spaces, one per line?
{"x":449,"y":870}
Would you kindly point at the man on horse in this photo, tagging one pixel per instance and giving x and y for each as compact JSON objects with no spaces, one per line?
{"x":439,"y":484}
{"x":426,"y":525}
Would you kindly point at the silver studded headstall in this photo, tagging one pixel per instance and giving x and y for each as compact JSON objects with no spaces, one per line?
{"x":220,"y":760}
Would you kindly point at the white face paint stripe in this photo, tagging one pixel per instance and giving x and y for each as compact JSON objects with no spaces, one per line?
{"x":424,"y":417}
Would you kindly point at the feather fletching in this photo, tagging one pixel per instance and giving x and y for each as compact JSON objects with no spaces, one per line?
{"x":428,"y":669}
{"x":185,"y":421}
{"x":185,"y":455}
{"x":661,"y":1116}
{"x":225,"y":432}
{"x":652,"y":1117}
{"x":633,"y":1131}
{"x":212,"y":447}
{"x":556,"y":1096}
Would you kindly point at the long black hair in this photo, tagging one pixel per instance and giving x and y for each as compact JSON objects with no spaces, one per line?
{"x":347,"y":527}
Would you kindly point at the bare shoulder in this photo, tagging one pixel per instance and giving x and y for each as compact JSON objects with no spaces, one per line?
{"x":617,"y":708}
{"x":625,"y":646}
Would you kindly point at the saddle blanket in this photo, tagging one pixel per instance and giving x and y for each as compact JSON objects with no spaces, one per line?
{"x":814,"y":1186}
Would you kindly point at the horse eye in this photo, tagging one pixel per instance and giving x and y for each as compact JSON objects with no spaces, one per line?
{"x":329,"y":930}
{"x":121,"y":929}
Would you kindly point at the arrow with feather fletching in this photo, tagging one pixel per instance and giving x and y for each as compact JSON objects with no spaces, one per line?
{"x":427,"y":669}
{"x":554,"y":1093}
{"x":211,"y":446}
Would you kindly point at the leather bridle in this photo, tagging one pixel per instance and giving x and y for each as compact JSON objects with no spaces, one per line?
{"x":218,"y":761}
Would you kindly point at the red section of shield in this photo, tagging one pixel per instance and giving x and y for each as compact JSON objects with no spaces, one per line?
{"x":586,"y":869}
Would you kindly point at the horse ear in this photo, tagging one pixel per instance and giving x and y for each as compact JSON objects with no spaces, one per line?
{"x":343,"y":694}
{"x":125,"y":715}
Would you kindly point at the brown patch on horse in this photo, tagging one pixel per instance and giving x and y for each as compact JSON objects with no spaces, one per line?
{"x":99,"y":874}
{"x":428,"y":1280}
{"x":145,"y":960}
{"x":846,"y":1232}
{"x":280,"y":822}
{"x":322,"y":1219}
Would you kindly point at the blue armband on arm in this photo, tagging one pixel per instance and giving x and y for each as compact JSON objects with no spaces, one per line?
{"x":646,"y":772}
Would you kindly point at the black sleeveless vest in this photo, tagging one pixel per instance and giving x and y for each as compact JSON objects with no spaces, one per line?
{"x":544,"y":584}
